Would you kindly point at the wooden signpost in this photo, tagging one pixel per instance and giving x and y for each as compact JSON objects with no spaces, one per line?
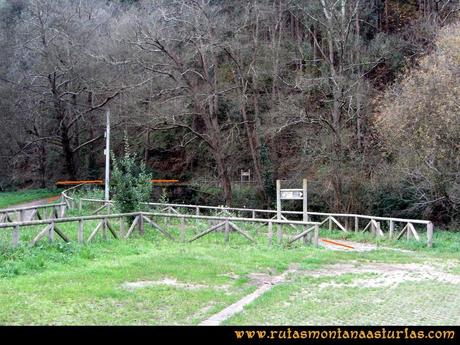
{"x":292,"y":194}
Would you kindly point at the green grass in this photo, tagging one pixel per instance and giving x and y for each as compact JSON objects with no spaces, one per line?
{"x":9,"y":199}
{"x":304,"y":302}
{"x":72,"y":284}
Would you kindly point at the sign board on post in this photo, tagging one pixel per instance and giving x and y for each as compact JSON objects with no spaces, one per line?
{"x":291,"y":194}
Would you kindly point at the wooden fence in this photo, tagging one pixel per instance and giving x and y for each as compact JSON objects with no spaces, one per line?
{"x":309,"y":230}
{"x":396,"y":227}
{"x":32,"y":212}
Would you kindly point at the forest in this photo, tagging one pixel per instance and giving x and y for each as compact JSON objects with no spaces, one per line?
{"x":361,"y":97}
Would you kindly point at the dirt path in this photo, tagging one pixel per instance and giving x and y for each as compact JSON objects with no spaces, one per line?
{"x":266,"y":281}
{"x":385,"y":274}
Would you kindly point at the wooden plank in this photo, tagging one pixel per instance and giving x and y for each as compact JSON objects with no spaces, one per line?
{"x":245,"y":234}
{"x":414,"y":232}
{"x":302,"y":234}
{"x":40,"y":235}
{"x":61,"y":234}
{"x":324,"y":221}
{"x":33,"y":214}
{"x":377,"y":229}
{"x":155,"y":225}
{"x":99,"y":209}
{"x":367,"y":226}
{"x":173,"y":210}
{"x":131,"y":228}
{"x":291,"y":225}
{"x":111,"y":229}
{"x":207,"y":231}
{"x":402,"y":232}
{"x":91,"y":236}
{"x":338,"y":224}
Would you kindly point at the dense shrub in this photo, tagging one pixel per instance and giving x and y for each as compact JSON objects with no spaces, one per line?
{"x":130,"y":183}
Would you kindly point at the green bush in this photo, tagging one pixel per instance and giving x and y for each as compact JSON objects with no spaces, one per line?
{"x":130,"y":183}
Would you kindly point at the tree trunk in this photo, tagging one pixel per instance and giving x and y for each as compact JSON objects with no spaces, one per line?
{"x":254,"y":146}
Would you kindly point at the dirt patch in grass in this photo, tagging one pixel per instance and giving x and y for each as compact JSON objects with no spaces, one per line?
{"x":385,"y":275}
{"x":166,"y":282}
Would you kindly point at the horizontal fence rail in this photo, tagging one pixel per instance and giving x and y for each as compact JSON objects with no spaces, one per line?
{"x":31,"y":212}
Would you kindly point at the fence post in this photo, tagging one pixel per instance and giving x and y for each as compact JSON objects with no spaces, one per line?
{"x":122,"y":227}
{"x":280,"y":233}
{"x":80,"y":206}
{"x":392,"y":228}
{"x":330,"y":223}
{"x":356,"y":224}
{"x":270,"y":233}
{"x":429,"y":234}
{"x":80,"y":231}
{"x":104,"y":228}
{"x":316,"y":235}
{"x":141,"y":224}
{"x":15,"y":240}
{"x":227,"y":228}
{"x":182,"y":229}
{"x":51,"y":232}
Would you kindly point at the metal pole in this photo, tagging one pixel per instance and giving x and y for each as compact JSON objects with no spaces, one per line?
{"x":107,"y":156}
{"x":278,"y":209}
{"x":305,"y":209}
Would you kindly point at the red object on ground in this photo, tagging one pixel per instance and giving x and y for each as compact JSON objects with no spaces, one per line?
{"x":337,"y":243}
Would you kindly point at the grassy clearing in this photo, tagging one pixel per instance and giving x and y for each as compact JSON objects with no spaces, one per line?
{"x":9,"y":199}
{"x":305,"y":302}
{"x":75,"y":284}
{"x":71,"y":284}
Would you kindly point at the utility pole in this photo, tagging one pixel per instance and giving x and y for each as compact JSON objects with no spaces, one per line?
{"x":107,"y":156}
